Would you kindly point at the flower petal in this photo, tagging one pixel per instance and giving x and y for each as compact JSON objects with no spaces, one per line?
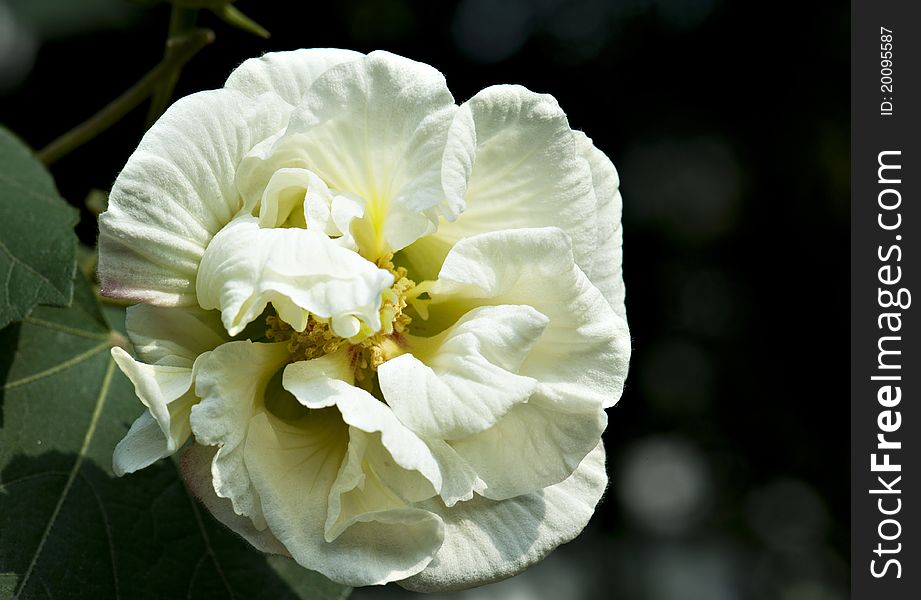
{"x":580,"y":360}
{"x":293,"y":466}
{"x":296,"y":198}
{"x":487,"y":541}
{"x":165,"y":391}
{"x":231,"y":383}
{"x":195,"y":468}
{"x":310,"y":380}
{"x":582,"y":357}
{"x":298,"y":271}
{"x":376,"y":127}
{"x":524,"y":171}
{"x":560,"y":440}
{"x":463,"y":380}
{"x":287,"y":74}
{"x":325,"y":382}
{"x":173,"y":336}
{"x":142,"y":446}
{"x":459,"y":479}
{"x":361,"y":488}
{"x":285,"y":191}
{"x":605,"y":268}
{"x":176,"y":191}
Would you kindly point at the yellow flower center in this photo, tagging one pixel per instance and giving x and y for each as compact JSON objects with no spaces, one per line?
{"x":368,"y":349}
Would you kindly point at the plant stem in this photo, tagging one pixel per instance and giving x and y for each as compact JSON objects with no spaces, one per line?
{"x":181,"y":50}
{"x":181,"y":21}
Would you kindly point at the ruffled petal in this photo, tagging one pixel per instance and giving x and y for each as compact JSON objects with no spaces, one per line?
{"x":582,"y":357}
{"x":459,"y":478}
{"x":605,"y":268}
{"x":413,"y":473}
{"x":463,"y":380}
{"x":376,"y":127}
{"x":173,"y":336}
{"x":299,"y":271}
{"x":195,"y":468}
{"x":286,"y":74}
{"x":296,"y":198}
{"x":580,"y":360}
{"x":293,"y":466}
{"x":512,"y":159}
{"x":558,"y":440}
{"x":487,"y":541}
{"x":176,"y":191}
{"x":167,"y":394}
{"x":231,"y":382}
{"x":285,"y":192}
{"x":359,"y":489}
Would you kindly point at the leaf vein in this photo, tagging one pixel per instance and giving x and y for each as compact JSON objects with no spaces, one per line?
{"x":41,"y":580}
{"x":108,"y":530}
{"x":25,"y":189}
{"x":208,"y":548}
{"x":90,"y":432}
{"x":24,"y":478}
{"x":57,"y":368}
{"x":194,"y":576}
{"x":26,"y":266}
{"x":93,"y":335}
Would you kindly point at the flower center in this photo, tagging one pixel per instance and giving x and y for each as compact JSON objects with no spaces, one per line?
{"x":367,"y":350}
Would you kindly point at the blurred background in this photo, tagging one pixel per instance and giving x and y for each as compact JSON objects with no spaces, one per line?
{"x":728,"y":122}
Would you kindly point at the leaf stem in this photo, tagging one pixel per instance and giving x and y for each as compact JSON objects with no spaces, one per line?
{"x":179,"y":51}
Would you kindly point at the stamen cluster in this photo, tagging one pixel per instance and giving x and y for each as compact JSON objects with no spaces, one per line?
{"x":366,"y":353}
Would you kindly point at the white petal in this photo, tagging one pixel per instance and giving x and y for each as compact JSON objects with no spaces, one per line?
{"x":297,"y":270}
{"x":165,"y":391}
{"x":293,"y":466}
{"x":354,"y":491}
{"x":459,"y":478}
{"x":556,"y":440}
{"x":409,"y":453}
{"x":173,"y":336}
{"x":231,"y":383}
{"x":142,"y":446}
{"x":287,"y":74}
{"x":524,"y":171}
{"x":195,"y":467}
{"x":325,"y":382}
{"x":309,"y":380}
{"x":376,"y":127}
{"x":361,"y":488}
{"x":176,"y":191}
{"x":296,"y":198}
{"x":346,"y":207}
{"x":284,"y":189}
{"x":605,"y":267}
{"x":463,"y":380}
{"x":580,"y":361}
{"x":259,"y":165}
{"x":487,"y":541}
{"x":583,"y":355}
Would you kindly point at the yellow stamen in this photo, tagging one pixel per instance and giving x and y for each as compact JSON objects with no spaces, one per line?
{"x":367,"y":350}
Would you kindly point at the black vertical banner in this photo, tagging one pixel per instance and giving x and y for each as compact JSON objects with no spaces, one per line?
{"x":885,"y":330}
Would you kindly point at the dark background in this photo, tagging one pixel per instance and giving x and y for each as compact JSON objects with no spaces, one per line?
{"x":727,"y":121}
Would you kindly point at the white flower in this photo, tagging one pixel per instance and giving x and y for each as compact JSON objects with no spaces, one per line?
{"x":391,"y":324}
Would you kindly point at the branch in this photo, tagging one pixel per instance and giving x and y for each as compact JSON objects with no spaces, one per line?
{"x":182,"y":49}
{"x":181,"y":21}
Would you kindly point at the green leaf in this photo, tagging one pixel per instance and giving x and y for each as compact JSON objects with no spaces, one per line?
{"x":68,"y":527}
{"x":37,"y":241}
